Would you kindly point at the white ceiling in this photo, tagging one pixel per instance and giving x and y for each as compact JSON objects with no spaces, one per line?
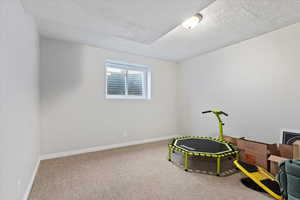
{"x":148,"y":27}
{"x":142,"y":21}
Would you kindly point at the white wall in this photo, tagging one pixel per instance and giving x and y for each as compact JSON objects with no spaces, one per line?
{"x":74,"y":112}
{"x":257,"y":82}
{"x":19,"y":109}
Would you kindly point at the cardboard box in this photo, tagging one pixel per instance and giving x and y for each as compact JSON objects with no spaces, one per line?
{"x":254,"y":153}
{"x":296,"y":150}
{"x":285,"y":152}
{"x":257,"y":153}
{"x":274,"y":163}
{"x":230,"y":139}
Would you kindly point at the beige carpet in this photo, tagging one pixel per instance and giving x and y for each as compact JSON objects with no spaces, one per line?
{"x":134,"y":173}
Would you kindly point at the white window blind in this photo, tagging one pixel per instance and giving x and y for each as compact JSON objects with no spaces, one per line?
{"x":127,"y":81}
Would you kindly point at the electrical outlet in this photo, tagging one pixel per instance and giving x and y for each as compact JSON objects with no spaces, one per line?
{"x":125,"y":134}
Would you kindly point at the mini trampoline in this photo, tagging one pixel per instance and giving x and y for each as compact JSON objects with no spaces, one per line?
{"x":203,"y":154}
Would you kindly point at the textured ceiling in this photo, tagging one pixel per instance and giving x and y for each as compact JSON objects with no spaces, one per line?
{"x":225,"y":22}
{"x":142,"y":21}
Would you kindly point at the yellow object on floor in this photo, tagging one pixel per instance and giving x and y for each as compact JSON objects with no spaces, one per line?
{"x":261,"y":177}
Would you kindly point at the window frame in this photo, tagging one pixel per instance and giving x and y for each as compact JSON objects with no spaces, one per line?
{"x":128,"y":66}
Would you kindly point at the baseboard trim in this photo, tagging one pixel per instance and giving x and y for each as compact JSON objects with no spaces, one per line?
{"x":102,"y":148}
{"x":29,"y":187}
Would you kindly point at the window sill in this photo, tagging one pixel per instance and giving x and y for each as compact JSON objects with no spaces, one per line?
{"x":126,"y":98}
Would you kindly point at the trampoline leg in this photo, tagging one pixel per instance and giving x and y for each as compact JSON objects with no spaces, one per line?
{"x":237,"y":156}
{"x":218,"y":166}
{"x":169,"y":155}
{"x":186,"y":162}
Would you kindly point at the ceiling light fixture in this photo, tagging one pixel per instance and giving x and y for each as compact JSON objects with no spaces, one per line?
{"x":192,"y":22}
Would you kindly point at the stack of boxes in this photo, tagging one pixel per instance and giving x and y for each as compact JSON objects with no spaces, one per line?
{"x":268,"y":156}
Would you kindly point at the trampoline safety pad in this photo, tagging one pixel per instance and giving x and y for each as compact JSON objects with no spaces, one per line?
{"x":210,"y":154}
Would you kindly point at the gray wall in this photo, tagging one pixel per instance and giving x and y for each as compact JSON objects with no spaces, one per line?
{"x":257,"y":82}
{"x":74,"y":112}
{"x":19,"y":108}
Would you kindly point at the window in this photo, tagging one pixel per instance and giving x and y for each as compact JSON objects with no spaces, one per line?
{"x":127,"y":81}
